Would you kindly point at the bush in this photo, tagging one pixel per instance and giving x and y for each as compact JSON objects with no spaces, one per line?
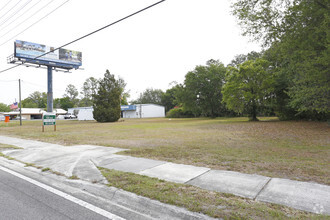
{"x":179,"y":113}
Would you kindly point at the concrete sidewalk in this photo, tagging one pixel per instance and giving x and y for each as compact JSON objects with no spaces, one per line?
{"x":81,"y":161}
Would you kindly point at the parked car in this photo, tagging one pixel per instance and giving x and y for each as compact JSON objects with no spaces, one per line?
{"x":18,"y":118}
{"x":60,"y":117}
{"x":70,"y":116}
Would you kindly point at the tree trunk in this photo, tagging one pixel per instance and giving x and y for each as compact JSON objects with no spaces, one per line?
{"x":254,"y":112}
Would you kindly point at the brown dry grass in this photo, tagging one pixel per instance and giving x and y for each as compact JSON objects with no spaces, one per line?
{"x":294,"y":150}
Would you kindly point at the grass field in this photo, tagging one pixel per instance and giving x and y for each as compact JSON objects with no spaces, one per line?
{"x":290,"y":149}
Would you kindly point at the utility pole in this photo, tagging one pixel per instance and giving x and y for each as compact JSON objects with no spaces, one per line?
{"x":20,"y":103}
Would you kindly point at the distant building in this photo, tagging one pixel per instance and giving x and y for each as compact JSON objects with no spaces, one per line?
{"x":127,"y":111}
{"x":84,"y":113}
{"x":32,"y":113}
{"x":143,"y":111}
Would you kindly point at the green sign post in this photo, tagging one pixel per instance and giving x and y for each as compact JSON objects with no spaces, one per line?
{"x":48,"y":119}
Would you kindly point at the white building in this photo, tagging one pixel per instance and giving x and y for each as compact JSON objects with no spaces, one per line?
{"x":82,"y":113}
{"x":85,"y":114}
{"x":127,"y":111}
{"x":143,"y":111}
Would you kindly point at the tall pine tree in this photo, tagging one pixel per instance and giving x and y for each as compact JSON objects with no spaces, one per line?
{"x":107,"y":100}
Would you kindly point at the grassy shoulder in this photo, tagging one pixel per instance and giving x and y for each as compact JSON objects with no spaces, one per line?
{"x":8,"y":146}
{"x":214,"y":204}
{"x":297,"y":150}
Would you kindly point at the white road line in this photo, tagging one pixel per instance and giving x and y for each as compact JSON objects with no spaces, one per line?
{"x":65,"y":195}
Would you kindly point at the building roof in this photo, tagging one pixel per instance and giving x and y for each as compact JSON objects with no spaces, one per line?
{"x":60,"y":111}
{"x":150,"y":104}
{"x":77,"y":108}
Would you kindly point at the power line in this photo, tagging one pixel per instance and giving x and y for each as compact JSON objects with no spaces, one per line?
{"x":5,"y":5}
{"x":34,"y":84}
{"x":23,"y":14}
{"x":31,"y":84}
{"x":41,"y":86}
{"x":10,"y":9}
{"x":14,"y":13}
{"x":91,"y":33}
{"x":31,"y":24}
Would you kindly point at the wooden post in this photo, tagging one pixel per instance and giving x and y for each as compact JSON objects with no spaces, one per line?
{"x":43,"y":128}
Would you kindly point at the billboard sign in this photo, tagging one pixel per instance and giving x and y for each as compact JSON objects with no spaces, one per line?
{"x":60,"y":58}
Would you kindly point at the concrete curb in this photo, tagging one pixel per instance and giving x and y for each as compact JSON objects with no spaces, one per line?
{"x":117,"y":201}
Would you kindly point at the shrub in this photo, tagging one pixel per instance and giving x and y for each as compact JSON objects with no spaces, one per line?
{"x":179,"y":113}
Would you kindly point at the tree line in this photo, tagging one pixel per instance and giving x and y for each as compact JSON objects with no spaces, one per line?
{"x":70,"y":99}
{"x":248,"y":86}
{"x":295,"y":35}
{"x":289,"y":78}
{"x":106,"y":95}
{"x":244,"y":87}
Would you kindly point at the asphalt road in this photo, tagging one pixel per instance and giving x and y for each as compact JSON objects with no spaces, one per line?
{"x":20,"y":199}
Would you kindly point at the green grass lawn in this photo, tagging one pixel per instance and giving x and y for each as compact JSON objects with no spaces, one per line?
{"x":289,"y":149}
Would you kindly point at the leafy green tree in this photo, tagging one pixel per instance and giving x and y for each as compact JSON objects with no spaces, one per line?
{"x":72,"y":93}
{"x":35,"y":100}
{"x":63,"y":103}
{"x":248,"y":87}
{"x":29,"y":104}
{"x":124,"y":98}
{"x":56,"y":103}
{"x":202,"y":87}
{"x":107,"y":100}
{"x":150,"y":96}
{"x":308,"y":42}
{"x":124,"y":94}
{"x":88,"y":90}
{"x":297,"y":34}
{"x":241,"y":58}
{"x":4,"y":107}
{"x":169,"y":98}
{"x":262,"y":20}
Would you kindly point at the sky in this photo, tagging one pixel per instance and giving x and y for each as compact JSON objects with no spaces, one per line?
{"x":149,"y":50}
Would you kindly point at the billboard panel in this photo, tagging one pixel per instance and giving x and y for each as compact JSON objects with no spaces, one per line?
{"x":61,"y":57}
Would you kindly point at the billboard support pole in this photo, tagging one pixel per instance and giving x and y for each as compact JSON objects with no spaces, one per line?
{"x":50,"y":89}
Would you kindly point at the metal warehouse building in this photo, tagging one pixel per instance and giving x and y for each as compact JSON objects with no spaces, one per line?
{"x":127,"y":111}
{"x":143,"y":111}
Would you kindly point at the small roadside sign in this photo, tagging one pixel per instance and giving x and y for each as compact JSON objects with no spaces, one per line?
{"x":48,"y":119}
